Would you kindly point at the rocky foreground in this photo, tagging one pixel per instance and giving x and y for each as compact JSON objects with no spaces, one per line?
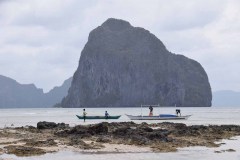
{"x":111,"y":137}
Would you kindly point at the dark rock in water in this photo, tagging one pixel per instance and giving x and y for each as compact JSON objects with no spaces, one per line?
{"x":180,"y":126}
{"x":139,"y":140}
{"x":85,"y":131}
{"x":155,"y":135}
{"x":141,"y":135}
{"x":100,"y":128}
{"x":230,"y":150}
{"x":62,"y":125}
{"x":126,"y":66}
{"x":144,"y":128}
{"x":51,"y":125}
{"x":46,"y":125}
{"x":122,"y":131}
{"x":79,"y":130}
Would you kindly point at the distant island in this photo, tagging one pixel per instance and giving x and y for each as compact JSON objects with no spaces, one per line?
{"x":126,"y":66}
{"x":226,"y":98}
{"x":16,"y":95}
{"x":11,"y":95}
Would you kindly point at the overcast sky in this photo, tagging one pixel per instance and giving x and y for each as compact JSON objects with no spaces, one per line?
{"x":41,"y":40}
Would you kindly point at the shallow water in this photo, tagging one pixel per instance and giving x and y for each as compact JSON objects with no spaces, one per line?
{"x":200,"y":116}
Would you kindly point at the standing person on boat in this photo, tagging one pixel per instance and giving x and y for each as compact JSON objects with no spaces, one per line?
{"x":178,"y":111}
{"x":84,"y":114}
{"x":106,"y":115}
{"x":151,"y":111}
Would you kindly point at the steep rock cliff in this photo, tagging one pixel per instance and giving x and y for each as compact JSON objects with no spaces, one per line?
{"x":126,"y":66}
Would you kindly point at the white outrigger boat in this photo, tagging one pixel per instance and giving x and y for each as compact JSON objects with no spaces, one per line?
{"x":159,"y":117}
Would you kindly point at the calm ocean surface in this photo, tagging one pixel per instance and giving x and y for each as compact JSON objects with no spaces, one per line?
{"x":200,"y":116}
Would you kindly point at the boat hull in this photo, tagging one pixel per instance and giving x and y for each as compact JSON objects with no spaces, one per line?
{"x":98,"y":117}
{"x":158,"y":117}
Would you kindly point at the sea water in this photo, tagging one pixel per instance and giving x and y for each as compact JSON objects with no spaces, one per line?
{"x":200,"y":116}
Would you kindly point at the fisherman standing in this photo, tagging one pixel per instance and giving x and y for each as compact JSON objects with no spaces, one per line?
{"x":151,"y":111}
{"x":84,"y":114}
{"x":178,"y":111}
{"x":106,"y":115}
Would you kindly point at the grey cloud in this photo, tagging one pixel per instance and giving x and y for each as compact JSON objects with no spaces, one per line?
{"x":5,"y":1}
{"x":194,"y":14}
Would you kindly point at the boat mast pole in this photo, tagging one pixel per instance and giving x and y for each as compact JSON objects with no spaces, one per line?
{"x":141,"y":110}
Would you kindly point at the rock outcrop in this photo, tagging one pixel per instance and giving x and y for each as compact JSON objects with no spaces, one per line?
{"x":126,"y":66}
{"x":107,"y":137}
{"x":51,"y":125}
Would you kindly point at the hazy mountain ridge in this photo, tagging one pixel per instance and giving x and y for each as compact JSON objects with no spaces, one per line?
{"x":16,"y":95}
{"x":56,"y":94}
{"x":226,"y":98}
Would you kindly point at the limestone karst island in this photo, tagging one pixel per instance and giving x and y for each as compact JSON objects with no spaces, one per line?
{"x":125,"y":66}
{"x":120,"y":66}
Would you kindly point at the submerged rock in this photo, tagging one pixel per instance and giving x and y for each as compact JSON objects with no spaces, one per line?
{"x":126,"y":66}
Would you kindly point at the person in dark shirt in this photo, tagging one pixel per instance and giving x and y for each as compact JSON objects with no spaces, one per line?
{"x":151,"y":111}
{"x":178,"y":111}
{"x":106,"y":114}
{"x":84,"y":114}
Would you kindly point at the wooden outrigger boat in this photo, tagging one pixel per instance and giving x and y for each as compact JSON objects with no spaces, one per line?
{"x":99,"y":117}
